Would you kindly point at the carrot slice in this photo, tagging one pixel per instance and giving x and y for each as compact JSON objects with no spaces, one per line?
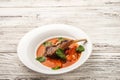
{"x":54,"y":41}
{"x":41,"y":51}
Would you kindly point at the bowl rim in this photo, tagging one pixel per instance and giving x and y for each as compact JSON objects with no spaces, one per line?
{"x":56,"y":72}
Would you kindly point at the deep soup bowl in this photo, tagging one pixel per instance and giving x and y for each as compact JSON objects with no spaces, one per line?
{"x":31,"y":41}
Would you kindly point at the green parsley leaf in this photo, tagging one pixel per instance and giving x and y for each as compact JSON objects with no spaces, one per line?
{"x":47,"y":43}
{"x":41,"y":59}
{"x":56,"y":68}
{"x":60,"y":39}
{"x":80,"y":48}
{"x":60,"y":53}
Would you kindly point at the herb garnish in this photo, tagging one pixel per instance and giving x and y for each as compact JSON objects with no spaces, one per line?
{"x":56,"y":68}
{"x":47,"y":43}
{"x":80,"y":48}
{"x":60,"y":39}
{"x":60,"y":54}
{"x":41,"y":59}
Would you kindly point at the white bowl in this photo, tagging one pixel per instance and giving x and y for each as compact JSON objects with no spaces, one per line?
{"x":30,"y":42}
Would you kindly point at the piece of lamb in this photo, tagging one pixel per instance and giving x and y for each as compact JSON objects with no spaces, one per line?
{"x":65,"y":44}
{"x":50,"y":50}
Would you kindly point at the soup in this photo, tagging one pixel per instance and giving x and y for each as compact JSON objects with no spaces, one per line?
{"x":59,"y":52}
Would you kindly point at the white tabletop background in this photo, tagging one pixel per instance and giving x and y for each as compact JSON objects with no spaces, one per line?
{"x":100,"y":19}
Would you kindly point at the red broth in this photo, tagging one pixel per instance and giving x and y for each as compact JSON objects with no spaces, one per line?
{"x":71,"y":55}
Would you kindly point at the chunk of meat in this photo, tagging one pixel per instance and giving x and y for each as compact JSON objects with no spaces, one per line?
{"x":63,"y":45}
{"x":50,"y":50}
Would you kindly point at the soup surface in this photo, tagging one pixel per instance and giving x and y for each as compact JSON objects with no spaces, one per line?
{"x":59,"y":52}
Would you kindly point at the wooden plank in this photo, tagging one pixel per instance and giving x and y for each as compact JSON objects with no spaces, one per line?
{"x":91,"y":9}
{"x":10,"y":38}
{"x":102,"y":24}
{"x":58,"y":3}
{"x":98,"y":67}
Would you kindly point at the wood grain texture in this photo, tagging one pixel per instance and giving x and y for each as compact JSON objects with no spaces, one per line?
{"x":103,"y":24}
{"x":100,"y":19}
{"x":59,"y":3}
{"x":98,"y":67}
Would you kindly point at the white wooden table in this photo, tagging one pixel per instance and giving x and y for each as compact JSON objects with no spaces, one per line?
{"x":100,"y":19}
